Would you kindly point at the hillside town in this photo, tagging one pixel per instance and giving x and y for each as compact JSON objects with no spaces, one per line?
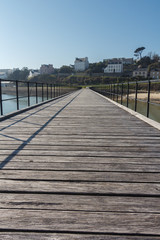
{"x":147,"y":67}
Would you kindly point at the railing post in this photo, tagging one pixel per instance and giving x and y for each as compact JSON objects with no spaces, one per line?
{"x":127,"y":93}
{"x":1,"y":104}
{"x":111,"y":92}
{"x":114,"y":92}
{"x":54,"y":91}
{"x":135,"y":107}
{"x":51,"y":91}
{"x":42,"y":93}
{"x":47,"y":91}
{"x":17,"y":98}
{"x":117,"y":91}
{"x":121,"y":93}
{"x":28,"y":94}
{"x":36,"y":94}
{"x":148,"y":100}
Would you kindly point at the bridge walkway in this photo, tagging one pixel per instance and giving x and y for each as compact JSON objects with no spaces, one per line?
{"x":79,"y":168}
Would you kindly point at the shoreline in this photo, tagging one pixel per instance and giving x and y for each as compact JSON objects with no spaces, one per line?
{"x":154,"y":96}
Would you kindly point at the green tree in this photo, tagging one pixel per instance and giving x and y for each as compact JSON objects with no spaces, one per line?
{"x":138,"y":52}
{"x":154,"y":66}
{"x":19,"y":74}
{"x":66,"y":69}
{"x":156,"y":57}
{"x":145,"y":61}
{"x":96,"y":67}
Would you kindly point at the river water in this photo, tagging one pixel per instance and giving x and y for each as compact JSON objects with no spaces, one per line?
{"x":11,"y":105}
{"x":154,"y":109}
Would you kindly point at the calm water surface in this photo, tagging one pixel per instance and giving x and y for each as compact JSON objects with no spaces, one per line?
{"x":11,"y":105}
{"x":154,"y":109}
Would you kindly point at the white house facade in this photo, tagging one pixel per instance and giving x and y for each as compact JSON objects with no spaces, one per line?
{"x":155,"y":74}
{"x":3,"y":75}
{"x":142,"y":72}
{"x":33,"y":73}
{"x":122,"y":60}
{"x":114,"y":67}
{"x":46,"y":69}
{"x":81,"y":64}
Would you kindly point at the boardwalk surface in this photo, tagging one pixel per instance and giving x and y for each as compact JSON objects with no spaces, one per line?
{"x":79,"y":168}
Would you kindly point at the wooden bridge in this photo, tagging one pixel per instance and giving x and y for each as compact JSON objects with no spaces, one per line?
{"x":79,"y":167}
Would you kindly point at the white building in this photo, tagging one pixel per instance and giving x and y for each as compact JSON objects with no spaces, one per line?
{"x":122,"y":60}
{"x":114,"y":67}
{"x":33,"y":73}
{"x":127,"y":60}
{"x":6,"y":84}
{"x":46,"y":69}
{"x":81,"y":64}
{"x":155,"y":74}
{"x":142,"y":72}
{"x":3,"y":75}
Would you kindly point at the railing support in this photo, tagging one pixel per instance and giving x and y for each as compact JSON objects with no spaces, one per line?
{"x":135,"y":107}
{"x":127,"y":93}
{"x":54,"y":91}
{"x":42,"y":93}
{"x":28,"y":94}
{"x":36,"y":94}
{"x":117,"y":91}
{"x":1,"y":104}
{"x":17,"y":98}
{"x":122,"y":93}
{"x":111,"y":93}
{"x":148,"y":100}
{"x":51,"y":91}
{"x":47,"y":91}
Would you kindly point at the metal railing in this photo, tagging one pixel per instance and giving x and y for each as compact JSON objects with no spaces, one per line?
{"x":22,"y":94}
{"x":140,"y":96}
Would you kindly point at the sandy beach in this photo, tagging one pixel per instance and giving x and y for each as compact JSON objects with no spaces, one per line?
{"x":154,"y":96}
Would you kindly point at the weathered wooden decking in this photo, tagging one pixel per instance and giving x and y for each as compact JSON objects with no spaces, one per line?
{"x":79,"y":168}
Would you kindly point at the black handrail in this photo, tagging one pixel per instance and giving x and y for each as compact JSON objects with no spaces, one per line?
{"x":48,"y":91}
{"x":126,"y":88}
{"x":1,"y":105}
{"x":148,"y":100}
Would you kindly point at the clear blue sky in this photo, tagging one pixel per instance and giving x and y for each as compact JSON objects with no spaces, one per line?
{"x":35,"y":32}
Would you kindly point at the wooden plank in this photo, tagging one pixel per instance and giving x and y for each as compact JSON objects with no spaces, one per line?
{"x":102,"y":124}
{"x":81,"y":166}
{"x":100,"y":222}
{"x":59,"y":135}
{"x":81,"y":131}
{"x":67,"y":236}
{"x":80,"y":203}
{"x":49,"y":147}
{"x":80,"y":176}
{"x":107,"y":188}
{"x":105,"y":126}
{"x":81,"y":142}
{"x":21,"y":151}
{"x":83,"y":159}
